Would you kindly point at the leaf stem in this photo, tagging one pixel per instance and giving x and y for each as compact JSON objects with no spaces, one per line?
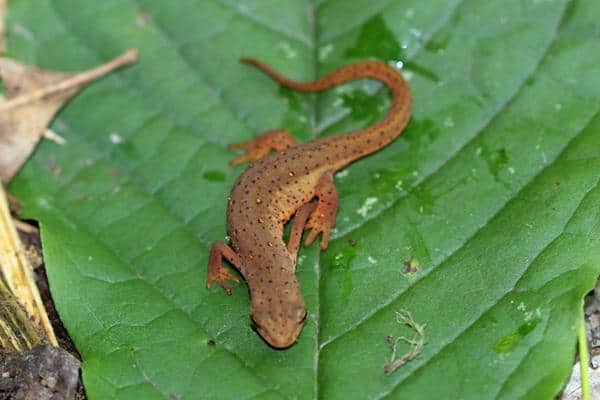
{"x":583,"y":358}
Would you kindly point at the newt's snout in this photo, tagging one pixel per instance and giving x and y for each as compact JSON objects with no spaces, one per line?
{"x":281,"y":323}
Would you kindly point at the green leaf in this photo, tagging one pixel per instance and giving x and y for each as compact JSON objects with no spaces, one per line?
{"x":481,"y":220}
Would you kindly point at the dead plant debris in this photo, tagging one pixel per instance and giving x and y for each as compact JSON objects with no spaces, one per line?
{"x":33,"y":96}
{"x":416,"y":343}
{"x":17,"y":273}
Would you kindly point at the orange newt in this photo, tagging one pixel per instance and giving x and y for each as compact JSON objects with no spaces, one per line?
{"x":294,"y":181}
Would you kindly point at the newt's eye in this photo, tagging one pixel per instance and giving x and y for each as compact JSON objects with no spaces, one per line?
{"x":302,"y":314}
{"x":253,"y":323}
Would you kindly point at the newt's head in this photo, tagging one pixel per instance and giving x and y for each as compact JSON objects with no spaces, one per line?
{"x":278,"y":312}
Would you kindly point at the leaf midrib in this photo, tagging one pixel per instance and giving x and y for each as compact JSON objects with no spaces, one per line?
{"x":313,"y":118}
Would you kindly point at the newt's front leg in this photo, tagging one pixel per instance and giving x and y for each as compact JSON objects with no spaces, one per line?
{"x":217,"y":273}
{"x":257,"y":148}
{"x":322,"y":219}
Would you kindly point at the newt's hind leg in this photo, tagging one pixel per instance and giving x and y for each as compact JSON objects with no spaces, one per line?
{"x":322,"y":219}
{"x":217,"y":273}
{"x":257,"y":148}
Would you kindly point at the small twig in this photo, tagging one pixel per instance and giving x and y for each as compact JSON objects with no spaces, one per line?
{"x":416,"y":343}
{"x":54,"y":137}
{"x":25,"y":227}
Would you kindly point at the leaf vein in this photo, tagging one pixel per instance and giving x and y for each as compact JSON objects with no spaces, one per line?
{"x":249,"y":17}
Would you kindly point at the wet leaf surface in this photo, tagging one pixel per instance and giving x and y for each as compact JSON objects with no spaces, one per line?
{"x":491,"y":196}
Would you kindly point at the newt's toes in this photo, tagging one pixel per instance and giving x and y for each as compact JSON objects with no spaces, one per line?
{"x":325,"y":240}
{"x":221,"y":279}
{"x":235,"y":146}
{"x":314,"y":233}
{"x":239,"y":160}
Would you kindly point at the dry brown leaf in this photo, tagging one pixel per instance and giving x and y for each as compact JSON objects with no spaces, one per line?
{"x":33,"y":97}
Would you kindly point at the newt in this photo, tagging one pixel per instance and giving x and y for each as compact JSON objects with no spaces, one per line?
{"x":292,"y":182}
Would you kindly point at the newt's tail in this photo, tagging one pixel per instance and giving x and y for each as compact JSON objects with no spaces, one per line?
{"x":363,"y":69}
{"x":383,"y":131}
